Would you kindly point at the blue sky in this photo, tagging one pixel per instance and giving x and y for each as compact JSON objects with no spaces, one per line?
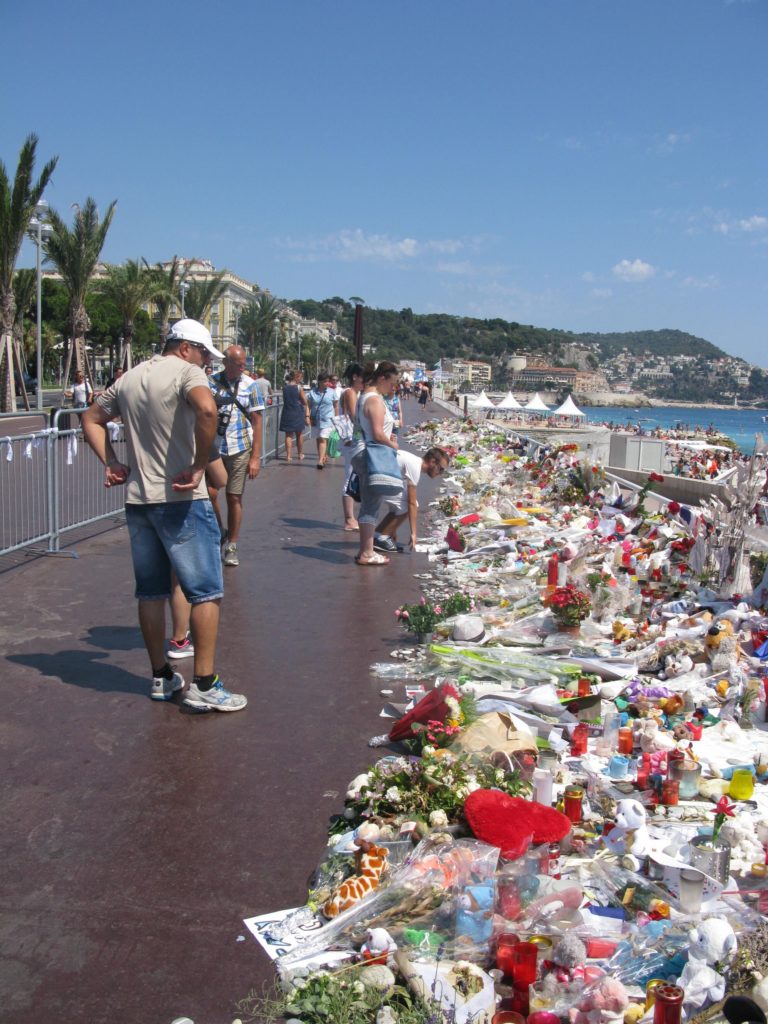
{"x":580,"y":164}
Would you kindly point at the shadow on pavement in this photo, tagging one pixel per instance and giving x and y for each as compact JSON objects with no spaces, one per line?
{"x":319,"y":553}
{"x":81,"y":668}
{"x":116,"y":638}
{"x":309,"y":524}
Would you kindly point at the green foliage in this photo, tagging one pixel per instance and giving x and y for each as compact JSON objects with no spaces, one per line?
{"x":202,"y":295}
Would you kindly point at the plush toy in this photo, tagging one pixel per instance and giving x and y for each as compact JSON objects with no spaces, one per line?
{"x":511,"y":823}
{"x":676,"y":665}
{"x":621,"y":632}
{"x":379,"y":946}
{"x":604,"y":1003}
{"x":568,"y":959}
{"x":629,"y":838}
{"x":712,"y":946}
{"x":721,"y":646}
{"x":651,"y":737}
{"x":370,"y":864}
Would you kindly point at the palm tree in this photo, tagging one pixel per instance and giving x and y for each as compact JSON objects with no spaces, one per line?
{"x":17,"y":206}
{"x":202,"y":295}
{"x":129,"y":286}
{"x":256,"y":325}
{"x":166,"y":294}
{"x":24,"y":281}
{"x":75,"y":254}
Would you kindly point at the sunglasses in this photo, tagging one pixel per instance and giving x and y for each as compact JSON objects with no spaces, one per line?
{"x":200,"y":348}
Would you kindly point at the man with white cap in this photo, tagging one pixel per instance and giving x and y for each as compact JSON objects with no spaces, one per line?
{"x":170,"y":419}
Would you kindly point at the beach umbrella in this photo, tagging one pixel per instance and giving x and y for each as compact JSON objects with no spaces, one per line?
{"x":569,"y":408}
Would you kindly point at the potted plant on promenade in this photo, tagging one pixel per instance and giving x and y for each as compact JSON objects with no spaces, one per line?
{"x":569,"y":606}
{"x":712,"y":854}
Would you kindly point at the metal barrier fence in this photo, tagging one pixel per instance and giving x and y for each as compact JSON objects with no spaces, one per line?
{"x":51,"y":482}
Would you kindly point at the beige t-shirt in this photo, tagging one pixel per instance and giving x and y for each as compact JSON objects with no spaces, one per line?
{"x":159,"y":426}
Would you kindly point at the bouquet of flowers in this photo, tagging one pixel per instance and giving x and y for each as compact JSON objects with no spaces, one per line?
{"x":408,"y":788}
{"x":419,"y":618}
{"x":569,"y":605}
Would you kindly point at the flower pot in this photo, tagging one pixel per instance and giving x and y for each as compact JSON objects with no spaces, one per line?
{"x":568,"y":628}
{"x":714,"y":859}
{"x":425,"y":638}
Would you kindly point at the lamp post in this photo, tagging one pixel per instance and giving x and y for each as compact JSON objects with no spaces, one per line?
{"x":299,"y":357}
{"x":317,"y":357}
{"x":275,"y":322}
{"x":183,"y":289}
{"x":38,"y":232}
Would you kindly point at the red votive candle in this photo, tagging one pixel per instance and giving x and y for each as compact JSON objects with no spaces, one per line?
{"x":524,"y":961}
{"x":668,"y":1007}
{"x":626,"y":740}
{"x":505,"y":949}
{"x":543,"y":1017}
{"x":585,"y":687}
{"x":572,"y":801}
{"x":579,"y":738}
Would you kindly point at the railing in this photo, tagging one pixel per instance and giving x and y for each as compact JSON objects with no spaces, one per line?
{"x":52,"y":483}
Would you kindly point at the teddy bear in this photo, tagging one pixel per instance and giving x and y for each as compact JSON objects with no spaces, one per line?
{"x":603,"y":1003}
{"x":651,"y":737}
{"x":676,"y":665}
{"x":379,"y":947}
{"x":721,"y":646}
{"x":629,"y":838}
{"x":712,"y":945}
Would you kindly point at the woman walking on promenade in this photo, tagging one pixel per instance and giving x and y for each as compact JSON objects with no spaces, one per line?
{"x":294,"y":417}
{"x":353,"y":443}
{"x":376,"y":423}
{"x":322,"y":408}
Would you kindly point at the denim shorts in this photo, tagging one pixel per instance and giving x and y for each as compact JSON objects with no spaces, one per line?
{"x":179,"y":535}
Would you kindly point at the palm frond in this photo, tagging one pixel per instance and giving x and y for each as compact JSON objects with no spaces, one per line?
{"x":202,"y":295}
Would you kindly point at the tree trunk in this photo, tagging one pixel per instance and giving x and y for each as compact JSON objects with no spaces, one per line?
{"x":7,"y":379}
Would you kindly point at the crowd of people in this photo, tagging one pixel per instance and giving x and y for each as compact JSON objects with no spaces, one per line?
{"x":191,"y":433}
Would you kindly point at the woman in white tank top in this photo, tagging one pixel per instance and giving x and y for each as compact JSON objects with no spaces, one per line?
{"x":376,"y":424}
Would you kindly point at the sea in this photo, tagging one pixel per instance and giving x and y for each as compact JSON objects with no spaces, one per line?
{"x":742,"y":425}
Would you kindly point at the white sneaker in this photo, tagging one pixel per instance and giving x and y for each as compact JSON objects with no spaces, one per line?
{"x":230,"y":554}
{"x":181,"y":648}
{"x":164,"y":689}
{"x":215,"y":699}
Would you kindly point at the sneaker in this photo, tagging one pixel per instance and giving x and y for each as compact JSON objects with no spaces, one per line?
{"x":164,"y":689}
{"x":181,"y":648}
{"x":230,"y":554}
{"x":215,"y":699}
{"x":381,"y":543}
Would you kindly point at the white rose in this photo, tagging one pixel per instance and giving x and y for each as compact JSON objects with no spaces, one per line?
{"x":438,"y":819}
{"x":393,"y":795}
{"x":427,"y":750}
{"x":472,"y":786}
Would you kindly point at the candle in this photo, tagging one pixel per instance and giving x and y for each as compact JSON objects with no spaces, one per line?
{"x":505,"y":945}
{"x":626,"y":740}
{"x":524,"y":963}
{"x":572,"y":800}
{"x":742,"y":785}
{"x":670,"y":792}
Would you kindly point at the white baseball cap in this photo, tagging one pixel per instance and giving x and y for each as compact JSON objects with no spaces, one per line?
{"x":195,"y":332}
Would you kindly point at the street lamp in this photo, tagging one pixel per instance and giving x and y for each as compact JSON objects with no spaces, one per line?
{"x":276,"y":322}
{"x":37,"y":234}
{"x":317,"y":355}
{"x":183,"y":289}
{"x":299,"y":359}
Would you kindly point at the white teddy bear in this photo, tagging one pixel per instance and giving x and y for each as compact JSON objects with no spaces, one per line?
{"x":713,"y":943}
{"x":629,"y":838}
{"x":676,"y":665}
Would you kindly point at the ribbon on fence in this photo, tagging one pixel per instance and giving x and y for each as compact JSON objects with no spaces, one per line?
{"x":28,"y":450}
{"x":8,"y":449}
{"x":71,"y":448}
{"x":114,"y":430}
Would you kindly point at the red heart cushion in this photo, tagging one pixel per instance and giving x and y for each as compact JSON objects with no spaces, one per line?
{"x":510,"y":822}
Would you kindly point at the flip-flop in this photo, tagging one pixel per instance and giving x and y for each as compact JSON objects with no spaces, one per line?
{"x":351,"y":529}
{"x":375,"y":559}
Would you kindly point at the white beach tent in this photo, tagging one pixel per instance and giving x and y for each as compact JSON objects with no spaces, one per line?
{"x":483,"y":402}
{"x":569,"y":408}
{"x":536,"y":404}
{"x":509,"y":402}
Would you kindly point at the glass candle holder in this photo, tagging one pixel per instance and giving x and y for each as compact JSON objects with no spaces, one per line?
{"x":742,"y":785}
{"x":579,"y":738}
{"x":508,"y":1017}
{"x":505,"y":948}
{"x":670,"y":792}
{"x":687,"y":774}
{"x":626,"y":740}
{"x":691,"y":890}
{"x":572,"y":801}
{"x":524,"y":964}
{"x":585,"y":687}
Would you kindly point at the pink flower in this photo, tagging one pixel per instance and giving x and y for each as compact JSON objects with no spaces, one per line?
{"x":438,"y":610}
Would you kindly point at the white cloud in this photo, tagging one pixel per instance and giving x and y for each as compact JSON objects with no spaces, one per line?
{"x":602,"y":293}
{"x":356,"y":246}
{"x":632,"y":271}
{"x":457,"y":267}
{"x":588,"y":276}
{"x":700,"y":283}
{"x":754,"y":223}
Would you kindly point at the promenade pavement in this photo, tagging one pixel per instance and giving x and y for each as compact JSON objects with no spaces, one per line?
{"x":137,"y":835}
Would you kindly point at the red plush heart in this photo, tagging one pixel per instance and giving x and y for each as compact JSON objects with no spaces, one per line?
{"x":510,"y":822}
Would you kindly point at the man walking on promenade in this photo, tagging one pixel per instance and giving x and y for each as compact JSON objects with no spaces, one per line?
{"x":265,"y":388}
{"x":170,"y":419}
{"x":240,"y":405}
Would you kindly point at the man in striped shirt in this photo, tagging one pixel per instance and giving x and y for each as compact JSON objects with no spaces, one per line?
{"x":240,"y":406}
